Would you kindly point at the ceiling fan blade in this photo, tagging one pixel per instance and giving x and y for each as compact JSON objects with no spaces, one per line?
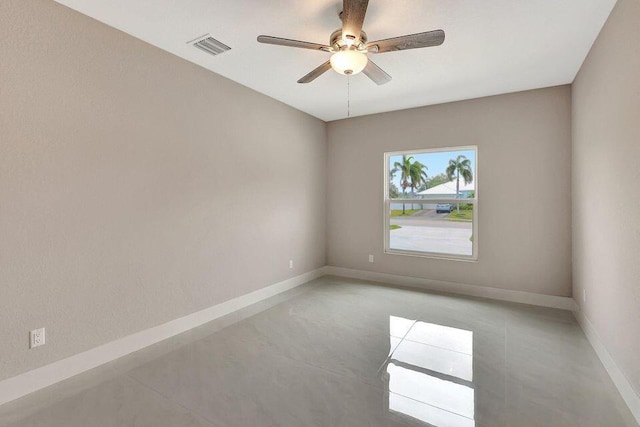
{"x":316,"y":73}
{"x":293,"y":43}
{"x":375,"y":73}
{"x":411,"y":41}
{"x":353,"y":12}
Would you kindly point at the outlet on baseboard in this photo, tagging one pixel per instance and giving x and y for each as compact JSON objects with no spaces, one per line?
{"x":36,"y":338}
{"x":290,"y":264}
{"x":370,"y":258}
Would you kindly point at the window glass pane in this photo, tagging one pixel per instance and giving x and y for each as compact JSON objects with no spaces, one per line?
{"x":427,"y":209}
{"x":431,"y":175}
{"x":439,"y":228}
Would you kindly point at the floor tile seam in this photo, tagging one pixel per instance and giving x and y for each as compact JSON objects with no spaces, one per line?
{"x":170,"y":399}
{"x":330,"y":372}
{"x":386,"y":360}
{"x":365,"y":383}
{"x":432,"y":405}
{"x":371,"y":385}
{"x":433,"y":373}
{"x":435,"y":346}
{"x":323,"y":369}
{"x":282,"y":355}
{"x":65,"y":389}
{"x":479,"y":321}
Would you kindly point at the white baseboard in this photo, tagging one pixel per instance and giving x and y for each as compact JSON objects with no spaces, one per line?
{"x":631,"y":398}
{"x":31,"y":381}
{"x":564,"y":303}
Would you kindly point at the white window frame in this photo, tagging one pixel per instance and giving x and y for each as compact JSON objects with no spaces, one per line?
{"x":388,"y":201}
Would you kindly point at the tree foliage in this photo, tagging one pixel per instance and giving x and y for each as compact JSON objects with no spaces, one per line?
{"x":412,"y":174}
{"x":459,"y":166}
{"x":394,"y":193}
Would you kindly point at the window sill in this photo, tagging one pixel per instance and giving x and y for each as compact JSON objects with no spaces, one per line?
{"x":431,"y":255}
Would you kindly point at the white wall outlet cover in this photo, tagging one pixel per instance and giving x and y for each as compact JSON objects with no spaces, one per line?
{"x":290,"y":263}
{"x":36,"y":338}
{"x":370,"y":258}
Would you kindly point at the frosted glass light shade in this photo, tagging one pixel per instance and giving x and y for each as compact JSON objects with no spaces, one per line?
{"x":348,"y":61}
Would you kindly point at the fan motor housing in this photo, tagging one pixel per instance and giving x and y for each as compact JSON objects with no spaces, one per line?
{"x":337,"y":42}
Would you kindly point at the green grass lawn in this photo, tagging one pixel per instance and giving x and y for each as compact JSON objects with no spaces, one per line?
{"x":394,"y":227}
{"x":466,"y":215}
{"x":408,"y":212}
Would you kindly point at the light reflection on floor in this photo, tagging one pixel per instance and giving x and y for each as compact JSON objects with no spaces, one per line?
{"x":430,"y":372}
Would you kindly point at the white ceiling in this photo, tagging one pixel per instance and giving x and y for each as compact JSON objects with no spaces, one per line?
{"x":491,"y":46}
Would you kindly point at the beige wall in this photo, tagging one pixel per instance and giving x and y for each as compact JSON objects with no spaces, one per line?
{"x":524,"y":161}
{"x":136,"y":187}
{"x":606,"y":179}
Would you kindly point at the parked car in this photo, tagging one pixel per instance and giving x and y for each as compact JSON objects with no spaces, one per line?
{"x":444,"y":208}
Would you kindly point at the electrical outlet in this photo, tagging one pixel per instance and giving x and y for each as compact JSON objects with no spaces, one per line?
{"x":370,"y":258}
{"x":290,"y":264}
{"x":584,"y":295}
{"x":36,"y":338}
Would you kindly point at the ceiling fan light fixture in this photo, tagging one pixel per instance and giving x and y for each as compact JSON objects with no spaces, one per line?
{"x":348,"y":62}
{"x":350,"y":45}
{"x":348,"y":39}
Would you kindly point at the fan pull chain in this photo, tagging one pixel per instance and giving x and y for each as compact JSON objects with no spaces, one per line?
{"x":348,"y":96}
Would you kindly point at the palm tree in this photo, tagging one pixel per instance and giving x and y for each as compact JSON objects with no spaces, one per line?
{"x":418,"y":177}
{"x":412,"y":174}
{"x":459,"y":166}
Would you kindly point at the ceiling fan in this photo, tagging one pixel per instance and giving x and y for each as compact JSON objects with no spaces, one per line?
{"x":349,"y":45}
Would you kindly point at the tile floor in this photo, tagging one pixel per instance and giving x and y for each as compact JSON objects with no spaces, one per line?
{"x":340,"y":352}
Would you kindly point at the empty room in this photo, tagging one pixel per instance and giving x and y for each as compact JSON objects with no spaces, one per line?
{"x":320,"y":213}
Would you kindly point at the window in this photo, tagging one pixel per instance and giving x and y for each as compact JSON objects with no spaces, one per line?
{"x":431,"y":203}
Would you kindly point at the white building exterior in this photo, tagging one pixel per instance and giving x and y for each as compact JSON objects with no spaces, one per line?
{"x":448,"y":189}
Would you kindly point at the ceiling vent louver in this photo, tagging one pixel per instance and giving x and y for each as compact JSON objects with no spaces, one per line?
{"x":210,"y":45}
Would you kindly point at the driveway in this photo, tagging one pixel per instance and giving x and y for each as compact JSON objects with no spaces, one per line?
{"x":428,"y":231}
{"x":429,"y":218}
